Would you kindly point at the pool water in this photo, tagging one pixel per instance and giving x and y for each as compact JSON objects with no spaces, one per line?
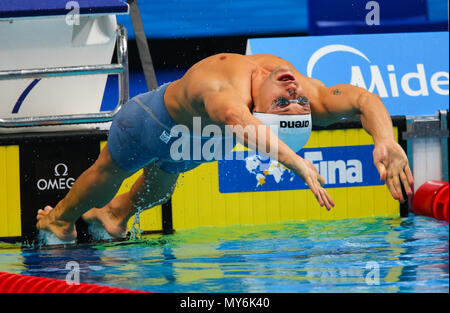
{"x":357,"y":255}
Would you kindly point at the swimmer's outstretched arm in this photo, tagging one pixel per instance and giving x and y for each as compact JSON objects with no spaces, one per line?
{"x":226,"y":108}
{"x":357,"y":103}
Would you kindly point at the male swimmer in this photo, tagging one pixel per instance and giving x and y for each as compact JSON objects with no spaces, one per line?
{"x":224,"y":89}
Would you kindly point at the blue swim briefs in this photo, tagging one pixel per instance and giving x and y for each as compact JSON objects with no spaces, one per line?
{"x":140,"y":135}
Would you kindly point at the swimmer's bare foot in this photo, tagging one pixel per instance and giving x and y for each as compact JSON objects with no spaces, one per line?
{"x":111,"y":219}
{"x":64,"y":230}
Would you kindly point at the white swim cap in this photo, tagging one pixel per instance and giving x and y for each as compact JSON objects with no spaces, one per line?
{"x":293,"y":130}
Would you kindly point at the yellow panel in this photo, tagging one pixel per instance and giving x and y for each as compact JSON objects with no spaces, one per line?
{"x":178,"y":204}
{"x":3,"y":194}
{"x":232,"y":212}
{"x":333,"y":138}
{"x":259,"y":207}
{"x":354,"y":202}
{"x":393,"y":206}
{"x":313,"y":209}
{"x":354,"y":194}
{"x":151,"y":220}
{"x":286,"y":206}
{"x":217,"y":202}
{"x":197,"y":201}
{"x":368,"y":204}
{"x":313,"y":140}
{"x":300,"y":204}
{"x":340,"y":195}
{"x":10,"y":223}
{"x":246,"y":212}
{"x":182,"y":188}
{"x":191,"y":214}
{"x":364,"y":138}
{"x":325,"y":138}
{"x":272,"y":206}
{"x":380,"y":201}
{"x":204,"y":203}
{"x":13,"y":189}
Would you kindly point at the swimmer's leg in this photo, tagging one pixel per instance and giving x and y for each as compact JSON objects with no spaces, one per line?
{"x":94,"y":188}
{"x":152,"y":188}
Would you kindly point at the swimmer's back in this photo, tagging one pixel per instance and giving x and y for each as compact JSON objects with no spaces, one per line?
{"x":184,"y":97}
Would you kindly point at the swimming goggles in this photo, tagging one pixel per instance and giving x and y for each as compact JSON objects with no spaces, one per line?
{"x":283,"y":101}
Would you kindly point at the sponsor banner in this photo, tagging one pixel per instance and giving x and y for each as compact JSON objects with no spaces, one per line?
{"x":409,"y":71}
{"x":345,"y":166}
{"x":60,"y":181}
{"x":47,"y":172}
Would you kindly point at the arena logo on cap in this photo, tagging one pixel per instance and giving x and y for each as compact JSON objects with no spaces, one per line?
{"x":296,"y":124}
{"x":390,"y":88}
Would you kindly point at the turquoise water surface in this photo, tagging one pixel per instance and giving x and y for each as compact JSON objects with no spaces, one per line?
{"x":358,"y":255}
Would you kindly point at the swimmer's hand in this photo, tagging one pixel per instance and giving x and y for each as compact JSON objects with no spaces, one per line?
{"x":308,"y":172}
{"x":392,"y":164}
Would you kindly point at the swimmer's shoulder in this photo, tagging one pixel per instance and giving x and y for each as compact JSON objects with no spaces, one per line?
{"x":315,"y":82}
{"x":218,"y":72}
{"x":225,"y":62}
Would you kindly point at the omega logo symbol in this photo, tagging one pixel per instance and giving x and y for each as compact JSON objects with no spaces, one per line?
{"x":57,"y":169}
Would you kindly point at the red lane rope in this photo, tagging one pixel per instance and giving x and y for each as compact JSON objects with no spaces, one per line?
{"x":17,"y":283}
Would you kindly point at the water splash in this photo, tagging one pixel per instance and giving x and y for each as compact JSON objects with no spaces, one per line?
{"x":98,"y":232}
{"x":46,"y":238}
{"x":136,"y":231}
